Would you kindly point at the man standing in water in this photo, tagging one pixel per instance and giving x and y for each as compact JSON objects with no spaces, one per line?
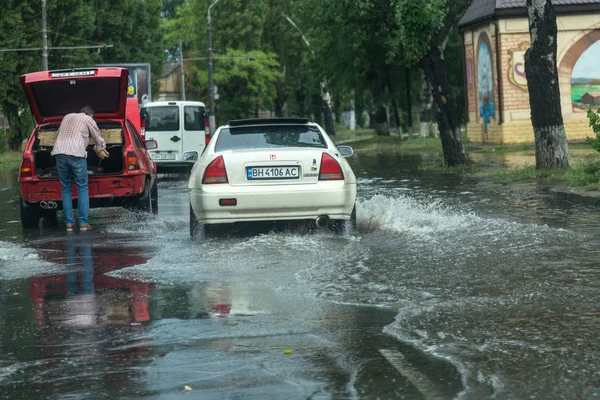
{"x":70,"y":150}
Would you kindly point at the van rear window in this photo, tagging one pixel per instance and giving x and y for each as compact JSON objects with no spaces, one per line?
{"x":267,"y":137}
{"x":163,"y":118}
{"x":194,"y":118}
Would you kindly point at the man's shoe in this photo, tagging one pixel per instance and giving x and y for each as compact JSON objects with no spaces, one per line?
{"x":70,"y":228}
{"x":87,"y":227}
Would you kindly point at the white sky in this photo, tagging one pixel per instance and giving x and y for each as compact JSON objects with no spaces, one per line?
{"x":588,"y":65}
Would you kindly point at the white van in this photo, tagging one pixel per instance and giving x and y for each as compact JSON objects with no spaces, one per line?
{"x":181,"y":129}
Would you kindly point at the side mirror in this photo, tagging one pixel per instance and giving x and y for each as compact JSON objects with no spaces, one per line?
{"x":151,"y":144}
{"x":345,"y":151}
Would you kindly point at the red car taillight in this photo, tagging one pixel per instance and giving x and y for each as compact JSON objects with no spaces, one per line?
{"x":206,"y":130}
{"x":330,"y":169}
{"x":26,"y":168}
{"x":132,"y":161}
{"x":215,"y":172}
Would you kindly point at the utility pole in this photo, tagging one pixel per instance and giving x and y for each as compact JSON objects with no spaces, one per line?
{"x":44,"y":38}
{"x":182,"y":76}
{"x":325,"y":97}
{"x":211,"y":83}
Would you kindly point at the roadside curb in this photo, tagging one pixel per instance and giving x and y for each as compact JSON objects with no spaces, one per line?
{"x":588,"y":199}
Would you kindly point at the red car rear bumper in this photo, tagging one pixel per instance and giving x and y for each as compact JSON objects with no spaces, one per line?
{"x":98,"y":187}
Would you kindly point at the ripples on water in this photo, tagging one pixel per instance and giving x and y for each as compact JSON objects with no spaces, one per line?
{"x":511,"y":302}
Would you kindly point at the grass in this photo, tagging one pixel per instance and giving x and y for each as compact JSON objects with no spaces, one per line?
{"x":583,"y":173}
{"x":10,"y":160}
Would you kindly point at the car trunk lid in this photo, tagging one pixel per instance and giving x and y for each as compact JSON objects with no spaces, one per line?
{"x":54,"y":94}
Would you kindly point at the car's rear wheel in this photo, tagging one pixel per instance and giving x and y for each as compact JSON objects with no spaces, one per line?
{"x":195,"y":226}
{"x":352,"y":223}
{"x":339,"y":226}
{"x":143,"y":203}
{"x":30,"y":215}
{"x":154,"y":196}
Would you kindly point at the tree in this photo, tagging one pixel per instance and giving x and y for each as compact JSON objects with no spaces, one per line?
{"x":425,"y":28}
{"x":551,"y":148}
{"x":17,"y":30}
{"x":246,"y":82}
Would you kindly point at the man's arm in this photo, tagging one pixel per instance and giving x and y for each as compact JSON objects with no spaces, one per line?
{"x":95,"y":132}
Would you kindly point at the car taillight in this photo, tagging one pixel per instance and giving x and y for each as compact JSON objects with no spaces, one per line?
{"x":215,"y":172}
{"x":26,"y":168}
{"x":132,"y":161}
{"x":330,"y":169}
{"x":206,"y":130}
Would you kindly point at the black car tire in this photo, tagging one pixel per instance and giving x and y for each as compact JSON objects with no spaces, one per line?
{"x":339,"y":226}
{"x":143,"y":203}
{"x":154,"y":196}
{"x":30,"y":215}
{"x":352,"y":225}
{"x":194,"y":224}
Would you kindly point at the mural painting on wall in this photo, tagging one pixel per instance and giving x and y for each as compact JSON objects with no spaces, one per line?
{"x":485,"y":84}
{"x":585,"y":79}
{"x":516,"y":70}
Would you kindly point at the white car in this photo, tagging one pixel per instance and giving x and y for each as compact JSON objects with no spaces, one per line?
{"x":276,"y":169}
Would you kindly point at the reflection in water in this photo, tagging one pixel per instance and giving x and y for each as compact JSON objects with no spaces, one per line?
{"x":86,"y":297}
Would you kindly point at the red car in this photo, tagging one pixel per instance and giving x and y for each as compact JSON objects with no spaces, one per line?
{"x":126,"y":178}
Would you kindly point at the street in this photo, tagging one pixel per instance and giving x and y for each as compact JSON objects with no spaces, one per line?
{"x":449,"y":289}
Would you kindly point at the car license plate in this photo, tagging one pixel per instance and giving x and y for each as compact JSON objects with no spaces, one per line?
{"x":257,"y":173}
{"x":163,"y":156}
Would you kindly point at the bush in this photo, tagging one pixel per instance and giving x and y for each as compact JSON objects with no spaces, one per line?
{"x":594,"y":117}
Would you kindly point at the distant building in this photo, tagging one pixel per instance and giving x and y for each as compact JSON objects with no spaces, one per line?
{"x":170,"y":89}
{"x":496,"y":36}
{"x":591,"y":98}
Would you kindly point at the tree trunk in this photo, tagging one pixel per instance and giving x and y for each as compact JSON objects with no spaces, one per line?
{"x":409,"y":104}
{"x":551,"y":147}
{"x":433,"y":66}
{"x":280,"y":98}
{"x":397,"y":119}
{"x":326,"y":106}
{"x":426,"y":113}
{"x":352,"y":111}
{"x":381,"y":121}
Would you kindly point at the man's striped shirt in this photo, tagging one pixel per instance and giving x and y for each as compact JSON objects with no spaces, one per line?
{"x":74,"y":135}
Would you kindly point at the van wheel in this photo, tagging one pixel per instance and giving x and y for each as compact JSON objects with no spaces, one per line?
{"x":30,"y":215}
{"x":143,"y":203}
{"x":154,"y":196}
{"x":194,"y":224}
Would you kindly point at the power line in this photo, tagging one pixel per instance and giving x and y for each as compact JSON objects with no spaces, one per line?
{"x":103,"y":46}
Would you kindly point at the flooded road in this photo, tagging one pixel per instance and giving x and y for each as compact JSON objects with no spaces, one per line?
{"x":450,"y":289}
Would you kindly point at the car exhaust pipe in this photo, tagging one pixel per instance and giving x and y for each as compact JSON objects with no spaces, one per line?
{"x":322,"y":221}
{"x":48,"y":205}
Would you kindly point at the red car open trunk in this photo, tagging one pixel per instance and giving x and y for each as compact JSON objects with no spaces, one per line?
{"x":127,"y":177}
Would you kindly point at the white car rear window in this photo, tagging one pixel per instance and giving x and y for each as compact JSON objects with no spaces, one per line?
{"x":268,"y":137}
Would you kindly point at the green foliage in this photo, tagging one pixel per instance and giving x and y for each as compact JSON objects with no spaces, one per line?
{"x":246,"y":82}
{"x":586,"y":172}
{"x":420,"y":21}
{"x":131,"y":26}
{"x":10,"y":160}
{"x":594,"y":117}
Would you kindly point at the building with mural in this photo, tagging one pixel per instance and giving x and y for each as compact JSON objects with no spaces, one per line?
{"x":496,"y":36}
